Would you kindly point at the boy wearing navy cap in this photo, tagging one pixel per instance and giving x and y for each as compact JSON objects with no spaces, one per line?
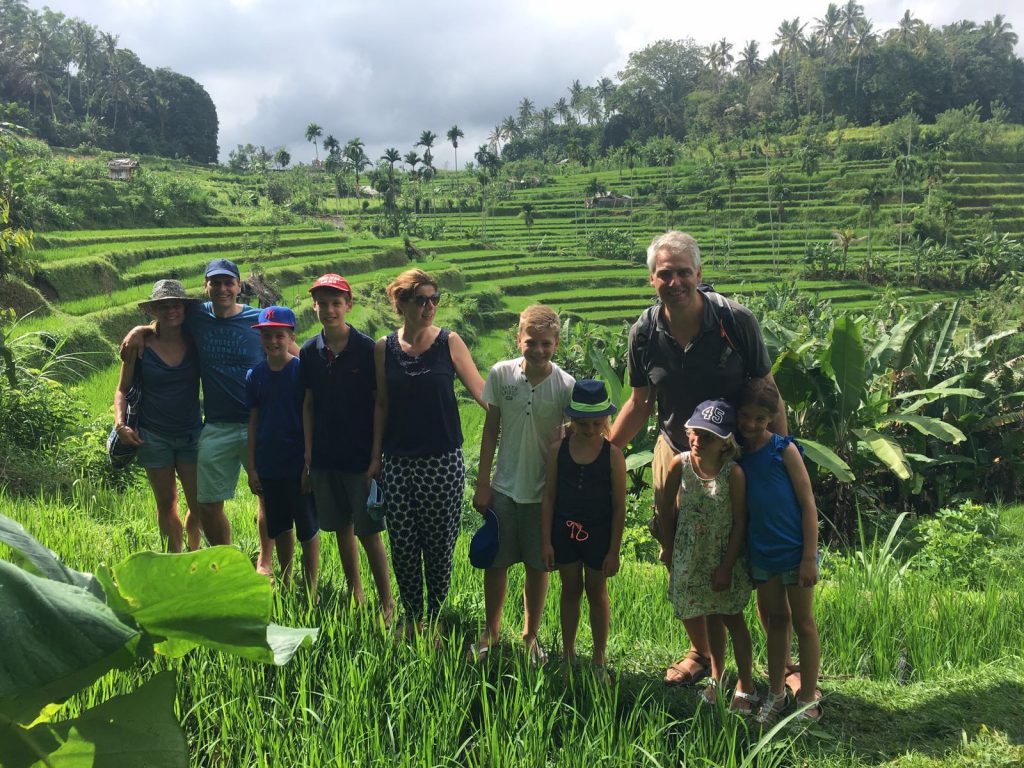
{"x":274,"y":394}
{"x":337,"y":414}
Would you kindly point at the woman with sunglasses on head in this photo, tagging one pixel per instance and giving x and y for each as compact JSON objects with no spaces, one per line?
{"x":417,"y":442}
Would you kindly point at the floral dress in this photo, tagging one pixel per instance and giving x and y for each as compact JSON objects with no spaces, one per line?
{"x":702,"y":536}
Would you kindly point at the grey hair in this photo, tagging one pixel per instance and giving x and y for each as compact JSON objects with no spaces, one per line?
{"x":676,"y":243}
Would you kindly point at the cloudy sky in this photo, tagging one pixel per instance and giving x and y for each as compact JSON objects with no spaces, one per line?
{"x":387,"y":70}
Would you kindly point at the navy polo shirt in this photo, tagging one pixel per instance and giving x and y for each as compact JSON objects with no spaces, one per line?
{"x":343,"y":388}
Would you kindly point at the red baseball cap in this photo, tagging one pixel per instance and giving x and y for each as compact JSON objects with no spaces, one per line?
{"x":332,"y":282}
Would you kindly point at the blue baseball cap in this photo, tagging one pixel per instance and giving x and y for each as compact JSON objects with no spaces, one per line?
{"x":276,"y":317}
{"x":714,"y":416}
{"x":484,"y":546}
{"x":222,"y":267}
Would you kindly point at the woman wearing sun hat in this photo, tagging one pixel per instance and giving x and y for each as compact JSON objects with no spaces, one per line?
{"x":169,"y":415}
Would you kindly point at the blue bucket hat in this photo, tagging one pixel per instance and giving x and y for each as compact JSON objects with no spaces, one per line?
{"x":589,"y":400}
{"x":714,"y":416}
{"x":484,"y":546}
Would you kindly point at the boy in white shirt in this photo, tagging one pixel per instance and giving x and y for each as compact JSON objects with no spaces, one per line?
{"x":525,"y":400}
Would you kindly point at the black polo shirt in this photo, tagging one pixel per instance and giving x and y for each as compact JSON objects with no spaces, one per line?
{"x":709,"y":367}
{"x":343,"y":388}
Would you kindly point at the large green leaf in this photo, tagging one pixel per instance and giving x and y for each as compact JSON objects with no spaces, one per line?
{"x":887,"y":450}
{"x":945,"y":341}
{"x":793,"y":379}
{"x":932,"y":427}
{"x":58,"y":638}
{"x":212,"y":598}
{"x":639,"y":459}
{"x":44,"y":562}
{"x":895,"y":345}
{"x":827,"y":459}
{"x":845,"y":363}
{"x":136,"y":729}
{"x":604,"y":368}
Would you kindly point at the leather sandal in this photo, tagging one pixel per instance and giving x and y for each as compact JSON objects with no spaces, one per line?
{"x":678,"y":674}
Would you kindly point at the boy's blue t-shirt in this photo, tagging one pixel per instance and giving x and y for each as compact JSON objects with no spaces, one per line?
{"x":343,"y":388}
{"x":278,"y":396}
{"x":228,"y":348}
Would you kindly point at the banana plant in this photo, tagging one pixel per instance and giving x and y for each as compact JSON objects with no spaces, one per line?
{"x":850,"y":413}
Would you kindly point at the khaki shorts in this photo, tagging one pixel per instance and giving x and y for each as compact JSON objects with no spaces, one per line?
{"x":663,"y":455}
{"x":518,"y":532}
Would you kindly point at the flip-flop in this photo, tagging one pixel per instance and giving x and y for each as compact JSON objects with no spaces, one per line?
{"x":677,"y":674}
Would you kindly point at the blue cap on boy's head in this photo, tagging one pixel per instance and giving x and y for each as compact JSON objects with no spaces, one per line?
{"x":714,"y":416}
{"x":589,"y":400}
{"x":484,"y":546}
{"x":276,"y":317}
{"x":222,"y":267}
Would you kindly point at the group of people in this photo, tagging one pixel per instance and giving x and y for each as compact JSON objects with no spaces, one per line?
{"x":733,"y":502}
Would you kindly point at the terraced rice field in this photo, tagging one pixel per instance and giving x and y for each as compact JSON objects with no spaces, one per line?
{"x":101,"y":275}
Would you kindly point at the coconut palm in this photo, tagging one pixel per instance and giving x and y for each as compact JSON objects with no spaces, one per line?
{"x":314,"y":132}
{"x":906,"y":30}
{"x":605,"y":90}
{"x":510,"y":128}
{"x":829,"y":26}
{"x":845,"y":239}
{"x":749,"y":64}
{"x":576,"y":97}
{"x":525,"y":115}
{"x":562,"y":108}
{"x":454,"y":134}
{"x":861,"y":45}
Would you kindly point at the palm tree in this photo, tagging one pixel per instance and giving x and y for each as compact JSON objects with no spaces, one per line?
{"x":872,"y":200}
{"x":282,"y":158}
{"x":719,"y":56}
{"x":314,"y":132}
{"x":562,"y":108}
{"x":864,"y":39}
{"x":809,"y":165}
{"x":526,"y":214}
{"x":546,"y":119}
{"x":605,"y":90}
{"x":510,"y":128}
{"x":852,"y":13}
{"x":454,"y":134}
{"x":829,"y":26}
{"x":790,"y":39}
{"x":576,"y":97}
{"x":355,"y":153}
{"x":494,"y":138}
{"x":998,"y":33}
{"x":749,"y":64}
{"x":391,"y":156}
{"x":907,"y":30}
{"x":845,"y":238}
{"x":411,"y":159}
{"x":426,"y":141}
{"x":903,"y":167}
{"x":525,"y":115}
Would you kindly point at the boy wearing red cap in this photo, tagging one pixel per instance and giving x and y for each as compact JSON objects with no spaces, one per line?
{"x":273,"y":393}
{"x":337,"y":415}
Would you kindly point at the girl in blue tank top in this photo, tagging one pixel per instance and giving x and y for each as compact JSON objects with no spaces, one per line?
{"x":782,"y":534}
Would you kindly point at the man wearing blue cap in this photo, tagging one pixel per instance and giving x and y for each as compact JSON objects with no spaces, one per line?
{"x":228,"y":347}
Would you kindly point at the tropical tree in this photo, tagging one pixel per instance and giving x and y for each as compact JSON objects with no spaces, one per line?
{"x":314,"y":132}
{"x":845,"y":238}
{"x":872,"y":198}
{"x":750,"y":63}
{"x":411,"y":159}
{"x":454,"y":134}
{"x":526,"y":214}
{"x":355,"y":153}
{"x":391,"y":156}
{"x":282,"y":158}
{"x":525,"y":115}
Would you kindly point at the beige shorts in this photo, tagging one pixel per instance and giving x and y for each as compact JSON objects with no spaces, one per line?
{"x":663,"y":455}
{"x":518,"y":532}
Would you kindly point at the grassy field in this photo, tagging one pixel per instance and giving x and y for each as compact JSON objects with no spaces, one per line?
{"x":916,"y":670}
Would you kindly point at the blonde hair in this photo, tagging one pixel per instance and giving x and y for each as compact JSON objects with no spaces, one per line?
{"x":539,"y":319}
{"x":403,"y":287}
{"x":732,"y":450}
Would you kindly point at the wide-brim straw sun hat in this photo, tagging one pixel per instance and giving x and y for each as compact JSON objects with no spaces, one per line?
{"x":166,"y":290}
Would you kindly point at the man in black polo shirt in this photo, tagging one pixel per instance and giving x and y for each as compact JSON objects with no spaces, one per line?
{"x":693,"y":345}
{"x":337,"y":414}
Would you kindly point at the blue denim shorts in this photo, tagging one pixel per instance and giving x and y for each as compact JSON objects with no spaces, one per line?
{"x":789,"y":578}
{"x":158,"y":451}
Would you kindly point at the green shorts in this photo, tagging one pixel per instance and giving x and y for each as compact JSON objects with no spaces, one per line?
{"x":518,"y":532}
{"x":223,"y":451}
{"x":340,"y":499}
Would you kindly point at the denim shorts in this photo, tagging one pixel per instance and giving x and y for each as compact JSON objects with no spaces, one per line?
{"x":159,"y":451}
{"x":789,"y":578}
{"x":223,"y":451}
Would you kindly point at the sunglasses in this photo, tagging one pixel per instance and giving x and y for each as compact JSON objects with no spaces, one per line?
{"x":422,"y":301}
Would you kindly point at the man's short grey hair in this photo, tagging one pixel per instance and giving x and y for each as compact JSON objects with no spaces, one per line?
{"x":677,"y":243}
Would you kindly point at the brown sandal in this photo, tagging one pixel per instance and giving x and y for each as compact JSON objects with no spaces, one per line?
{"x":678,"y":674}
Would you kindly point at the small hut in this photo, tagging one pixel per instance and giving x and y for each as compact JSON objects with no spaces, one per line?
{"x":122,"y":168}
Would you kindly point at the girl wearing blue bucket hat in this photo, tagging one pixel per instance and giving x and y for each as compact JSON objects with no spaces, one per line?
{"x":582,"y":516}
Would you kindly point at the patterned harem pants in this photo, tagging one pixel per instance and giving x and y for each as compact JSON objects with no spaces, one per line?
{"x":423,"y":506}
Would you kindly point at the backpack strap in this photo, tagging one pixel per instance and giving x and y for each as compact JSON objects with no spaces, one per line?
{"x":724,"y":312}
